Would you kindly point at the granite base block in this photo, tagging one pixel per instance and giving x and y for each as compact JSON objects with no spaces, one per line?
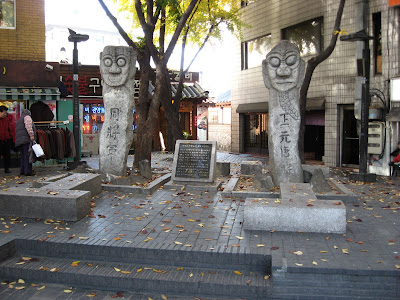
{"x":223,"y":169}
{"x":38,"y":203}
{"x":283,"y":215}
{"x":249,"y":168}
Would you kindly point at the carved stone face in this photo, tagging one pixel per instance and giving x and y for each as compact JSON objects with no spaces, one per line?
{"x":282,"y":67}
{"x":116,"y":63}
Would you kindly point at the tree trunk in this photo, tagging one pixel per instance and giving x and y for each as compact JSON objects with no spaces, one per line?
{"x":164,"y":94}
{"x":311,"y":65}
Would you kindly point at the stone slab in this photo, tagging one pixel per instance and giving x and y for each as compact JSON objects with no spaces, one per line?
{"x":250,"y":167}
{"x":311,"y":169}
{"x":223,"y":169}
{"x":297,"y":191}
{"x":194,"y":161}
{"x":78,"y":181}
{"x":137,"y":190}
{"x":285,"y":215}
{"x":40,"y":203}
{"x":191,"y":186}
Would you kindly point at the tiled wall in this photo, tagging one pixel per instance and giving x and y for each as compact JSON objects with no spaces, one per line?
{"x":334,"y":79}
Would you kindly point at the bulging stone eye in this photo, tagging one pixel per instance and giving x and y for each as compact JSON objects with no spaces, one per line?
{"x":291,"y":60}
{"x":121,"y":62}
{"x":275,"y":62}
{"x":108,"y":62}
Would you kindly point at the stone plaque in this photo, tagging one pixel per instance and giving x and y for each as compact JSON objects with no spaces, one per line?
{"x":194,"y":161}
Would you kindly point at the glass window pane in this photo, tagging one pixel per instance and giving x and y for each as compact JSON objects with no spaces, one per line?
{"x":306,"y":36}
{"x":257,"y":50}
{"x":7,"y":17}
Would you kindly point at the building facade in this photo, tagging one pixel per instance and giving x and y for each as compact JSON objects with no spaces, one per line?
{"x":333,"y":100}
{"x":22,"y":30}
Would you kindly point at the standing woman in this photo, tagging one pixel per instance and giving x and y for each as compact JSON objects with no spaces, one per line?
{"x":25,"y":133}
{"x":6,"y":135}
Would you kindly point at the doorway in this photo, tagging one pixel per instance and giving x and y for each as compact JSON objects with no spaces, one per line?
{"x":349,"y":137}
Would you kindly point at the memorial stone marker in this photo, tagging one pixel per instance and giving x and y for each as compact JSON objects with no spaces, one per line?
{"x":283,"y":72}
{"x":194,"y":161}
{"x":118,"y":68}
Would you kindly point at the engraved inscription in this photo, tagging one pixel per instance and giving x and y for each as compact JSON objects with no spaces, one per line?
{"x":194,"y":161}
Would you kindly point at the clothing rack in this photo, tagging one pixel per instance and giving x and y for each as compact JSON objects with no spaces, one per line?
{"x":54,"y":124}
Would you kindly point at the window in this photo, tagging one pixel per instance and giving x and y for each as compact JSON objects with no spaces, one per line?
{"x":307,"y":36}
{"x":7,"y":14}
{"x":377,"y":23}
{"x":244,"y":3}
{"x":254,"y":51}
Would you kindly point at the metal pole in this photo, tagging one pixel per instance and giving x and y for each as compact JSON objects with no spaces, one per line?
{"x":365,"y":110}
{"x":76,"y":124}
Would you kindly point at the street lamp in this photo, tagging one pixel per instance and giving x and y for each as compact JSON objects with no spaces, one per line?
{"x":76,"y":38}
{"x":363,"y":66}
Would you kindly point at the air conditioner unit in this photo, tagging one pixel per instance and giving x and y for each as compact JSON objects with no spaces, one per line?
{"x":376,"y":136}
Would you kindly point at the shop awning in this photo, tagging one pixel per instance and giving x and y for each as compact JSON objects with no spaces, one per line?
{"x":262,"y":107}
{"x":10,"y":93}
{"x":393,"y":115}
{"x":259,"y":107}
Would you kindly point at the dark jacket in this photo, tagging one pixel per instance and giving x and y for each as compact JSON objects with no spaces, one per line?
{"x":21,"y":134}
{"x":41,"y":112}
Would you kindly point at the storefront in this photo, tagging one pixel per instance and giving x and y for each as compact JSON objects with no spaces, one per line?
{"x":24,"y":83}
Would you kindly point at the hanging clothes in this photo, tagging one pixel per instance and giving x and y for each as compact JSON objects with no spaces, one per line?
{"x":57,"y":143}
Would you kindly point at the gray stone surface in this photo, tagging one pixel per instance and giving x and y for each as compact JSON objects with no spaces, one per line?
{"x":194,"y":161}
{"x":251,"y":168}
{"x":298,"y":191}
{"x":307,"y":176}
{"x":118,"y":68}
{"x":312,"y":168}
{"x":263,"y":183}
{"x":293,"y":216}
{"x":319,"y":183}
{"x":283,"y":72}
{"x":78,"y":181}
{"x":223,"y":169}
{"x":46,"y":204}
{"x":145,"y":169}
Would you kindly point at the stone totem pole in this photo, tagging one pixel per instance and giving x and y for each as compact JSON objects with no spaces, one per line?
{"x":283,"y":72}
{"x":118,"y":68}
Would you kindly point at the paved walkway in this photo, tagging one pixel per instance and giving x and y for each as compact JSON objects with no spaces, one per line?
{"x":209,"y":221}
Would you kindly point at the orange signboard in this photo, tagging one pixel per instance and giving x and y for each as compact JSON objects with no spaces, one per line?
{"x":394,"y":3}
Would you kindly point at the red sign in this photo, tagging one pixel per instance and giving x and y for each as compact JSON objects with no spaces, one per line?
{"x":393,"y":3}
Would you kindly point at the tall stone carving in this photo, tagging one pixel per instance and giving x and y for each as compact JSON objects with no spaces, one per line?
{"x":118,"y":68}
{"x":283,"y":72}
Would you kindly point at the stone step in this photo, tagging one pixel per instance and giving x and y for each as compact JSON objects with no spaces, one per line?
{"x":256,"y":260}
{"x":128,"y":271}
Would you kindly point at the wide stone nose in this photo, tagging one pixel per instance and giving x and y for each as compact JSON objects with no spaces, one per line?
{"x":283,"y":71}
{"x":114,"y":69}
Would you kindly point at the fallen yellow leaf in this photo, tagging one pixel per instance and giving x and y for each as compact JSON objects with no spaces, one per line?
{"x":315,"y":263}
{"x":21,"y":281}
{"x":178,"y":269}
{"x":240,"y":237}
{"x":324,"y":251}
{"x":266,"y":277}
{"x":83,"y":238}
{"x":41,"y":288}
{"x":178,"y":243}
{"x":298,"y":253}
{"x":139,"y":270}
{"x":260,"y":245}
{"x":67,"y":291}
{"x":300,"y":265}
{"x":126,"y":272}
{"x":164,"y":297}
{"x":237,"y":272}
{"x":116,"y":269}
{"x":397,"y":266}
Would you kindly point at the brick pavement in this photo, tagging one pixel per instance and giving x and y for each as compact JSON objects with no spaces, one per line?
{"x":370,"y":246}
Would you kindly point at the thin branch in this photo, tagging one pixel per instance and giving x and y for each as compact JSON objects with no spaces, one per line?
{"x":179,"y":29}
{"x":121,"y":31}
